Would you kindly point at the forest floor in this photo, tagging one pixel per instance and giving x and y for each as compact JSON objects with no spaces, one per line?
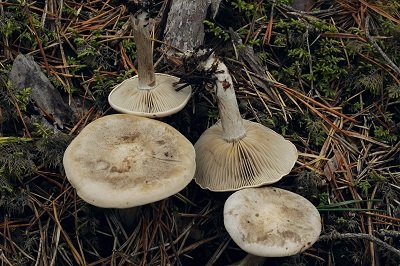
{"x":329,"y":82}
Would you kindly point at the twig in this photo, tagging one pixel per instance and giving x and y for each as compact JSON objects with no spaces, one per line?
{"x":389,"y":233}
{"x":313,"y":13}
{"x":377,"y":47}
{"x":268,"y":32}
{"x":7,"y":51}
{"x":21,"y":117}
{"x":310,"y":65}
{"x":55,"y":244}
{"x":38,"y":41}
{"x":370,"y":227}
{"x":74,"y":252}
{"x":4,"y":258}
{"x":224,"y":244}
{"x":335,"y":236}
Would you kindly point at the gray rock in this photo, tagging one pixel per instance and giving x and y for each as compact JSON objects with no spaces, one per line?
{"x":27,"y":73}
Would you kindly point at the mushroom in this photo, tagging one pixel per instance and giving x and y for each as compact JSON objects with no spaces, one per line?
{"x":236,"y":153}
{"x":148,"y":94}
{"x":123,"y":161}
{"x":270,"y":222}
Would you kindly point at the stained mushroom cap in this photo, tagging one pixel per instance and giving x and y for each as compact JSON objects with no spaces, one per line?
{"x":271,"y":222}
{"x":261,"y":157}
{"x":159,"y":101}
{"x":121,"y":161}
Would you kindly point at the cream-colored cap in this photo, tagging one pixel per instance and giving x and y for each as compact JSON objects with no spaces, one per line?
{"x":160,"y":101}
{"x":121,"y":161}
{"x":261,"y":157}
{"x":271,"y":222}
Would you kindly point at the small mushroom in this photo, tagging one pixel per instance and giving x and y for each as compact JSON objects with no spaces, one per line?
{"x":148,"y":94}
{"x":123,"y":161}
{"x":271,"y":222}
{"x":236,"y":153}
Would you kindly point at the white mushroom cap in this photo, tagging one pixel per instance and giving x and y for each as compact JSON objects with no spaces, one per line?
{"x":261,"y":157}
{"x":271,"y":222}
{"x":121,"y":161}
{"x":160,"y":101}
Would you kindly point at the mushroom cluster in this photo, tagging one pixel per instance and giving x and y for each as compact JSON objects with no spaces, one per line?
{"x":242,"y":156}
{"x":127,"y":160}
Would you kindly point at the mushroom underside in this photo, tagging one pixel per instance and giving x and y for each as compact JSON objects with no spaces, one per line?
{"x":261,"y":157}
{"x":159,"y":101}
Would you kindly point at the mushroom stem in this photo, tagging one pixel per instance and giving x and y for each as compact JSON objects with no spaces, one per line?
{"x":141,"y":33}
{"x":251,"y":260}
{"x":232,"y":122}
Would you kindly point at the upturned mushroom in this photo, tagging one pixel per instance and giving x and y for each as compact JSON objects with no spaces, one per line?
{"x":270,"y":222}
{"x":148,"y":94}
{"x":123,"y":161}
{"x":236,"y":153}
